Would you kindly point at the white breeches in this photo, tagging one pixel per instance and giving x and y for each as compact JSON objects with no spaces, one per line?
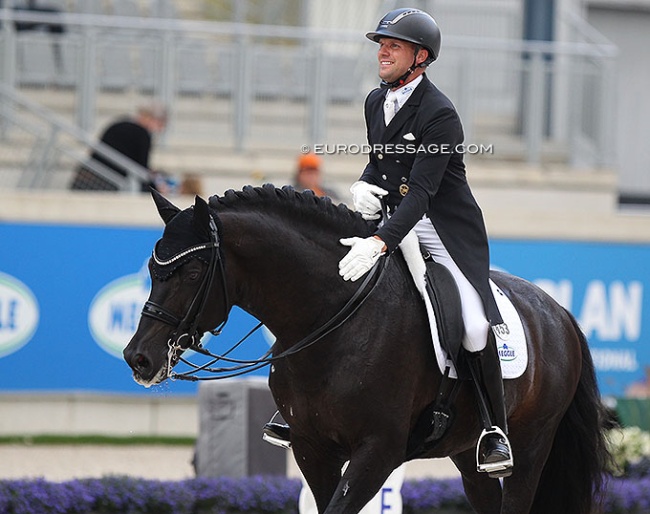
{"x":474,"y":318}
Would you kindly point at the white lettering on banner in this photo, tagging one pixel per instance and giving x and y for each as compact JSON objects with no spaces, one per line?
{"x":608,"y":313}
{"x":609,"y":359}
{"x":115,"y":311}
{"x":626,"y":308}
{"x":124,"y":316}
{"x":19,"y":314}
{"x":612,"y":314}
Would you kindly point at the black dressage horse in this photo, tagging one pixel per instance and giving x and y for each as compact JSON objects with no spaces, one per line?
{"x":355,"y":390}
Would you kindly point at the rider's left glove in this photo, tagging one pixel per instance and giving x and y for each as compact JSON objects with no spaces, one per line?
{"x":361,"y":258}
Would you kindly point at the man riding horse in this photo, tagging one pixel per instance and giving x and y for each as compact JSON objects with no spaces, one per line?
{"x":416,"y":165}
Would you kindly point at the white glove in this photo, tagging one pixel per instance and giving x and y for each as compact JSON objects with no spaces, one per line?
{"x":361,"y":258}
{"x":365,"y":197}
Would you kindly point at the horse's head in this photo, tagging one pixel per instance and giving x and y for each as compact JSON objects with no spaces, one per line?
{"x":185,"y":264}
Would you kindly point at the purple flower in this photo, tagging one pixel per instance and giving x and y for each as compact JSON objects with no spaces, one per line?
{"x":259,"y":495}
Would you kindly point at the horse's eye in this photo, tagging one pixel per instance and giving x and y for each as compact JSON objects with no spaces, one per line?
{"x":194,"y":274}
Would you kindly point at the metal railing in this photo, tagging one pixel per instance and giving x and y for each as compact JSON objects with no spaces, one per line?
{"x":260,"y":86}
{"x":55,"y":150}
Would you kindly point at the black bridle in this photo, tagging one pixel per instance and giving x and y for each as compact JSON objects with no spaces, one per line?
{"x":187,"y":329}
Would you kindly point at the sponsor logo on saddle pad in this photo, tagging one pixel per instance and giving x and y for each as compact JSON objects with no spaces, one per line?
{"x":19,"y":314}
{"x":506,"y":353}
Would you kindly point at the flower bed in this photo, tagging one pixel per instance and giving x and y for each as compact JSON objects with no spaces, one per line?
{"x":259,"y":495}
{"x":628,"y":492}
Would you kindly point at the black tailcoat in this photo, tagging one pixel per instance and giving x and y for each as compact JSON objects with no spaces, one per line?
{"x":415,"y":159}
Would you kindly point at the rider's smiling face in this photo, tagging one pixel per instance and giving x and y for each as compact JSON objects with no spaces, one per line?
{"x":395,"y":57}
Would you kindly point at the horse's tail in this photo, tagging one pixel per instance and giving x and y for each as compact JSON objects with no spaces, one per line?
{"x":573,"y":479}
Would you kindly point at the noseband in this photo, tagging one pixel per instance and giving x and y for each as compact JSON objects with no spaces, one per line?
{"x":187,"y":334}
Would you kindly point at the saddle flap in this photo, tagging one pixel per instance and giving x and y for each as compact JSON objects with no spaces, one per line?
{"x":445,"y":299}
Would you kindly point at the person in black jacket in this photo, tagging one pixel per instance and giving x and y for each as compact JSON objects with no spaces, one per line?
{"x":416,"y":164}
{"x":132,"y":137}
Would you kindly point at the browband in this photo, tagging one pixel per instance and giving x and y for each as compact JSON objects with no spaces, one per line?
{"x":180,"y":255}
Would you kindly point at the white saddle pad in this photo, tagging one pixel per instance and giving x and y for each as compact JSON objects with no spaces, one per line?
{"x":510,"y":336}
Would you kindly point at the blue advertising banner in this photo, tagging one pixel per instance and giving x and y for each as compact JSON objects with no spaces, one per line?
{"x":602,"y":284}
{"x":70,"y":299}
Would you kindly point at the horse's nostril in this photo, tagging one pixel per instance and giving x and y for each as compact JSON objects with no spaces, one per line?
{"x":141,"y":361}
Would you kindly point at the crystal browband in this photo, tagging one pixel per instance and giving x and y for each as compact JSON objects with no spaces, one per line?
{"x":182,"y":254}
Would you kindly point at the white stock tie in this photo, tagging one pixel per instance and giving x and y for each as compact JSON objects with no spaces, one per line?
{"x":390,"y":106}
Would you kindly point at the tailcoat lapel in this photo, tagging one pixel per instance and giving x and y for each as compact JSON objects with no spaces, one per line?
{"x":408,"y":110}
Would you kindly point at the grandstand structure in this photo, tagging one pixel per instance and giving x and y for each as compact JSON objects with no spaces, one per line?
{"x":249,"y":83}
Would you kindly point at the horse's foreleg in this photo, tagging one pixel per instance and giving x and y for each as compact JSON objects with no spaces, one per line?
{"x":321,"y":469}
{"x":368,"y":470}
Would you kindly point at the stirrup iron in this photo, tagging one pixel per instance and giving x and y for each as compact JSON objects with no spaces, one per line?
{"x":494,"y":469}
{"x":269,"y":436}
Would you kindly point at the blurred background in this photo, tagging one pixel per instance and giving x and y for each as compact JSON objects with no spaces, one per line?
{"x":553,"y":97}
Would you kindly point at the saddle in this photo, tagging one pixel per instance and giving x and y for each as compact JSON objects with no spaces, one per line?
{"x":439,"y":285}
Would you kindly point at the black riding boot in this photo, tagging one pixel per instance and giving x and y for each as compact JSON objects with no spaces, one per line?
{"x":493,"y":451}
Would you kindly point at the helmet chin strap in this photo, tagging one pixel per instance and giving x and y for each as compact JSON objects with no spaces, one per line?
{"x":402,"y":80}
{"x":399,"y":82}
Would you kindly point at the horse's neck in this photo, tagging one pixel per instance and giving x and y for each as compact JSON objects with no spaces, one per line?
{"x":277,"y":275}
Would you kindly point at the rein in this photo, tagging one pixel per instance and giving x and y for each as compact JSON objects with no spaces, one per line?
{"x":188,"y":326}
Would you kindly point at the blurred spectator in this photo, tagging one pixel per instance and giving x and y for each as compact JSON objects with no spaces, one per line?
{"x":308,"y":176}
{"x":39,"y":7}
{"x":641,"y":388}
{"x":191,"y":185}
{"x":133,"y":139}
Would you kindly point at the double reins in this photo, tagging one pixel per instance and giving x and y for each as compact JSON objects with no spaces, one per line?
{"x":187,"y":328}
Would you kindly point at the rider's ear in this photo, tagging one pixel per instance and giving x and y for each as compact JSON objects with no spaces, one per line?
{"x":166,"y":209}
{"x":201,"y":216}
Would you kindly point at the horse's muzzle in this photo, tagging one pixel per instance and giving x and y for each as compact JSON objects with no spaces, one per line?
{"x":146,"y":371}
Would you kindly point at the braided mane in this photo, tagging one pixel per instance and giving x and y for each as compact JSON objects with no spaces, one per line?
{"x":294,"y":203}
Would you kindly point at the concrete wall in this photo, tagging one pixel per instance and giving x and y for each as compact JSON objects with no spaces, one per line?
{"x":101,"y":414}
{"x":627,"y":25}
{"x":518,"y":201}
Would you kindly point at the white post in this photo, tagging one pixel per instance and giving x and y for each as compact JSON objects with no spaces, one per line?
{"x":388,"y":499}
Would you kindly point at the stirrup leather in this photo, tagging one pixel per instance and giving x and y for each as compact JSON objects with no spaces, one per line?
{"x":493,"y":468}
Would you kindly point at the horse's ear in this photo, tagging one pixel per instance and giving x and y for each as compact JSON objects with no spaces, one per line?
{"x":201,"y":216}
{"x":166,"y":209}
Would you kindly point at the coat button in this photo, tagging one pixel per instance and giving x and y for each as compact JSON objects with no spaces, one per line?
{"x":380,"y":156}
{"x":384,"y":177}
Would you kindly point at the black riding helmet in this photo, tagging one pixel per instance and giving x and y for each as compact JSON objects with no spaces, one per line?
{"x":410,"y":25}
